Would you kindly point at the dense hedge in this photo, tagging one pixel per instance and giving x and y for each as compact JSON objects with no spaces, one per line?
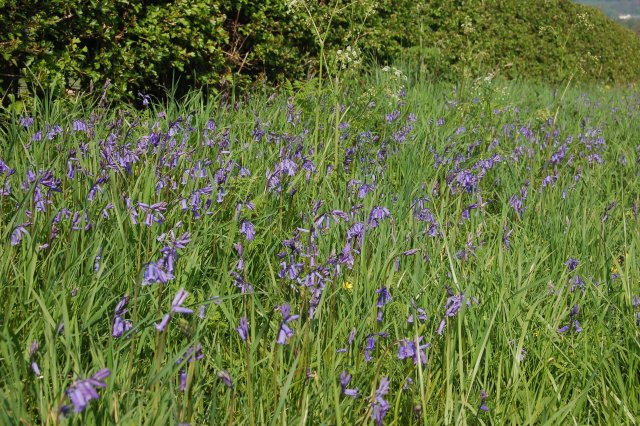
{"x":147,"y":45}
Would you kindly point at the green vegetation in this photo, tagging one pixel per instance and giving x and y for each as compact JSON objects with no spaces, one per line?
{"x":69,"y":46}
{"x":433,"y":242}
{"x":501,"y":217}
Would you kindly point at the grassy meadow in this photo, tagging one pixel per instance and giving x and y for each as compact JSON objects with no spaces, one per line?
{"x":368,"y":251}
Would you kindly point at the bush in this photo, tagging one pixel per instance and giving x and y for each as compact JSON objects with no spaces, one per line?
{"x":150,"y":45}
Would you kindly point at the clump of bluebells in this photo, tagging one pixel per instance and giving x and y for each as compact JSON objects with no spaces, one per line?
{"x":302,"y":238}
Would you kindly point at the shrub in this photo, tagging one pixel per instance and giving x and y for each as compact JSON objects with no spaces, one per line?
{"x":150,"y":45}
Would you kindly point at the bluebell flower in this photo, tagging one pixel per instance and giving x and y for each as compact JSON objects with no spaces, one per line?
{"x":352,"y":336}
{"x":183,"y":380}
{"x":120,"y":326}
{"x":246,"y":228}
{"x":410,"y":348}
{"x":483,"y":400}
{"x":176,"y":307}
{"x":285,"y":333}
{"x":79,"y":126}
{"x":370,"y":347}
{"x":26,"y":121}
{"x":226,"y":378}
{"x":378,"y":213}
{"x":81,"y":392}
{"x":18,"y":232}
{"x":380,"y":406}
{"x":572,"y":263}
{"x":344,"y":382}
{"x":243,"y":328}
{"x":384,"y":297}
{"x":516,"y":204}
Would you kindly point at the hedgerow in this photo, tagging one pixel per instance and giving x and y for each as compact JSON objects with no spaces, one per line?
{"x":76,"y":45}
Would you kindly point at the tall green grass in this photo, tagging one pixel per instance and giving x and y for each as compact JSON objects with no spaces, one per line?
{"x":506,"y":341}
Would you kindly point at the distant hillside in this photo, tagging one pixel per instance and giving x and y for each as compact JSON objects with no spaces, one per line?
{"x":626,"y":12}
{"x":615,"y":8}
{"x":548,"y":40}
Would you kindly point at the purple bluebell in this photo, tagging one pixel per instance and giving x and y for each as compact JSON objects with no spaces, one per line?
{"x":576,"y":324}
{"x":344,"y":382}
{"x":352,"y":336}
{"x":176,"y":307}
{"x":34,"y":365}
{"x":577,"y":282}
{"x":413,"y":349}
{"x":384,"y":297}
{"x":467,"y":180}
{"x":81,"y":392}
{"x":162,"y":325}
{"x":378,"y":213}
{"x":33,"y":348}
{"x":183,"y":379}
{"x":575,"y":310}
{"x":505,"y":237}
{"x":246,"y":228}
{"x":244,"y":286}
{"x":407,"y":383}
{"x":48,"y":180}
{"x":287,"y":167}
{"x":466,"y":213}
{"x":370,"y":347}
{"x":96,"y":261}
{"x":483,"y":401}
{"x":154,"y":212}
{"x":26,"y":121}
{"x":145,"y":98}
{"x":178,"y":301}
{"x":79,"y":126}
{"x":356,"y":232}
{"x":516,"y":203}
{"x":393,"y":116}
{"x":380,"y":406}
{"x":193,"y":353}
{"x":36,"y":369}
{"x":120,"y":326}
{"x":421,"y":314}
{"x":54,"y":131}
{"x":453,"y":305}
{"x":19,"y":232}
{"x":226,"y":378}
{"x":572,"y":263}
{"x":5,"y":169}
{"x":243,"y":328}
{"x":292,"y":269}
{"x":155,"y":273}
{"x":285,"y":333}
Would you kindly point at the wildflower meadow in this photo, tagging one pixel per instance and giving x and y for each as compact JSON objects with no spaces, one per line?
{"x":377,"y":250}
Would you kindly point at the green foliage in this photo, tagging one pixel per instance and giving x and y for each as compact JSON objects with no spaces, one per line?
{"x":76,"y":44}
{"x":507,"y":343}
{"x":152,"y":45}
{"x":552,"y":40}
